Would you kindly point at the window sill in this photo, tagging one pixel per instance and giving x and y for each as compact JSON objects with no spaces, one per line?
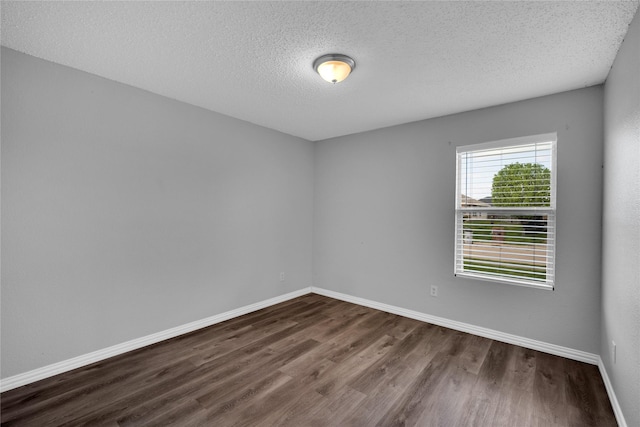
{"x":514,"y":282}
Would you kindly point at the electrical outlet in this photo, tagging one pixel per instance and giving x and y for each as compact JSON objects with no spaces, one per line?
{"x":282,"y":276}
{"x":434,"y":291}
{"x":613,"y":351}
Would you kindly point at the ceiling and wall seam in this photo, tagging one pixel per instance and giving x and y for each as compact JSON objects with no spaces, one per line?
{"x":253,"y":61}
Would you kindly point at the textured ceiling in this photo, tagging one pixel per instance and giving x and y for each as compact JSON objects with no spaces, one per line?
{"x":252,"y":60}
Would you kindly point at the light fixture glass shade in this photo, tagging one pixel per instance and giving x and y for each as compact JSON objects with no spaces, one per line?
{"x":334,"y":68}
{"x":334,"y":71}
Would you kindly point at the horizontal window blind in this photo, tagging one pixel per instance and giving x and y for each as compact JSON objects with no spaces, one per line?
{"x":505,"y":211}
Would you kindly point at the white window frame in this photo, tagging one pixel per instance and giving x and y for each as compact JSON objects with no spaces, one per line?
{"x":550,"y":212}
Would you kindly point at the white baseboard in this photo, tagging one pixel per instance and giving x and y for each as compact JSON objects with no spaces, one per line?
{"x":96,"y":356}
{"x":617,"y":410}
{"x":557,"y":350}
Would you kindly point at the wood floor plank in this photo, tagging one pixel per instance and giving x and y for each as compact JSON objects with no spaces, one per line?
{"x":585,"y":408}
{"x":549,"y":395}
{"x":486,"y":392}
{"x":223,"y":367}
{"x":408,"y":409}
{"x":475,"y":351}
{"x":391,"y":361}
{"x":349,"y":342}
{"x":242,"y":394}
{"x":514,"y":405}
{"x":333,"y":410}
{"x":317,"y":361}
{"x":344,"y":373}
{"x":249,"y":335}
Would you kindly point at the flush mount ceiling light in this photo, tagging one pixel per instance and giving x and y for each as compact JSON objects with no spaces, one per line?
{"x":334,"y":67}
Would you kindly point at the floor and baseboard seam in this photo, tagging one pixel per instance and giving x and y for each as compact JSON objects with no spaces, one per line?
{"x":617,"y":410}
{"x":38,"y":374}
{"x":96,"y":356}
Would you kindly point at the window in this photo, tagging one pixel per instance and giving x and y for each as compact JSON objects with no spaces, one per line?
{"x":506,"y":211}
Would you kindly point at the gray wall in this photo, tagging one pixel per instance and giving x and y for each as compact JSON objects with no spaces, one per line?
{"x":125,"y":213}
{"x":621,"y":225}
{"x":384,"y":224}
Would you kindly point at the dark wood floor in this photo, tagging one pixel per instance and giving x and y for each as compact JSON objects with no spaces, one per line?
{"x":316,"y":361}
